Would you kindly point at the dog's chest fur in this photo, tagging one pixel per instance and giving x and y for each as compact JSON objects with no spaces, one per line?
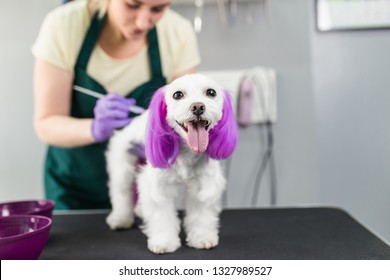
{"x":188,"y":166}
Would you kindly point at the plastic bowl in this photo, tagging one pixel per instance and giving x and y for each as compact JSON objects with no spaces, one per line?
{"x":23,"y":237}
{"x":40,"y":207}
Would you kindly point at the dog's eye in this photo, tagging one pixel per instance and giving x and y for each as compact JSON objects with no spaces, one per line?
{"x":178,"y":95}
{"x":211,"y":93}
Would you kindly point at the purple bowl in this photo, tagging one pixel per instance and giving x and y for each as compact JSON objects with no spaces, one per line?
{"x":40,"y":207}
{"x":23,"y":237}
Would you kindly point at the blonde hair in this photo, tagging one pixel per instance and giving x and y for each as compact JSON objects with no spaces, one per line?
{"x":98,"y":6}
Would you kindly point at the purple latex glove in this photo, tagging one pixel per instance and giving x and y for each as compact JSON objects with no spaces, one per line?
{"x":111,"y":112}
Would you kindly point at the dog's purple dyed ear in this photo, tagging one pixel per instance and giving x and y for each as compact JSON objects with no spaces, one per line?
{"x":162,"y":142}
{"x":224,"y":136}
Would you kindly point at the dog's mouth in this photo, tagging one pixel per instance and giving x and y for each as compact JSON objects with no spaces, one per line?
{"x":197,"y":134}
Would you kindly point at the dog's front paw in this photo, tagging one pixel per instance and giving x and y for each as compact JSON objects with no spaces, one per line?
{"x":120,"y":220}
{"x":202,"y":241}
{"x":163,"y":246}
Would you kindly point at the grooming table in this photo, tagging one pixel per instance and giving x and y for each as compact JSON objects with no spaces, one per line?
{"x":273,"y":234}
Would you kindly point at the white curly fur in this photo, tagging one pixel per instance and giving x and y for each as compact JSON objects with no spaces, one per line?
{"x":202,"y":176}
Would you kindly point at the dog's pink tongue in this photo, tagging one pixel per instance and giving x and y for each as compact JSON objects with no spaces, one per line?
{"x":197,"y":136}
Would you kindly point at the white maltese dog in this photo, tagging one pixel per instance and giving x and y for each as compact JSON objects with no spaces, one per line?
{"x":188,"y":128}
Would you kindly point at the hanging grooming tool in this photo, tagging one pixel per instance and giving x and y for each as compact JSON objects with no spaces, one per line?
{"x":198,"y":15}
{"x":232,"y":11}
{"x":249,"y":14}
{"x":227,"y":10}
{"x":266,"y":5}
{"x":133,"y":109}
{"x":222,"y":12}
{"x":245,"y":101}
{"x":233,"y":8}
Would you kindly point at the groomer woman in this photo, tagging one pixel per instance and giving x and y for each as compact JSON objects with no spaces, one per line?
{"x":124,"y":49}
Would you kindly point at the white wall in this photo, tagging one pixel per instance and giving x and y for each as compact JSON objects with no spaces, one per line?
{"x":20,"y":152}
{"x":351,"y":87}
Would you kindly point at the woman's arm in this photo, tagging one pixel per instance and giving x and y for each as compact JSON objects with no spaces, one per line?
{"x":52,"y":101}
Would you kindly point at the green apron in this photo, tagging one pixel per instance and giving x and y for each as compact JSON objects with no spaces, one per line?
{"x":76,"y":178}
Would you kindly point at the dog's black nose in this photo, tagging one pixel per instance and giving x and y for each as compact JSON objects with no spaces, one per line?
{"x":198,"y":108}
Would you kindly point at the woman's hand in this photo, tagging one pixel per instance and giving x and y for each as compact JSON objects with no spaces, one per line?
{"x":52,"y":120}
{"x":111,"y":112}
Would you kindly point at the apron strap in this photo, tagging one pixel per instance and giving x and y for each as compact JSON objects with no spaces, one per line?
{"x":154,"y":54}
{"x":90,"y":41}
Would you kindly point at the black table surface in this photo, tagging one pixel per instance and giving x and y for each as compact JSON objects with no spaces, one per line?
{"x":274,"y":234}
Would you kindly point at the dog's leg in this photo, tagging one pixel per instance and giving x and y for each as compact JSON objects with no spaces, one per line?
{"x":121,"y":170}
{"x":203,"y":205}
{"x":157,"y":205}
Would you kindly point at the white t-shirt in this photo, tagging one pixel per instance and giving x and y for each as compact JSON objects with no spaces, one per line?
{"x":63,"y":31}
